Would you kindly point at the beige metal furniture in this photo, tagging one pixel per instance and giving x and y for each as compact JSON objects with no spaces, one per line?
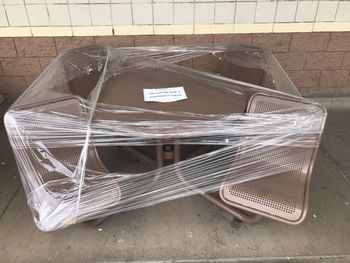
{"x":283,"y":197}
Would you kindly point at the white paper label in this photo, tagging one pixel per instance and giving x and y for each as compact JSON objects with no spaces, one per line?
{"x":164,"y":94}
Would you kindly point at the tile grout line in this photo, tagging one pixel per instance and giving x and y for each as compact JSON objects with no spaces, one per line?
{"x":7,"y":19}
{"x":313,"y":25}
{"x":274,"y":16}
{"x":70,"y":18}
{"x":132,"y":12}
{"x":89,"y":4}
{"x":296,"y":11}
{"x":47,"y":11}
{"x":336,"y":11}
{"x":111,"y":14}
{"x":234,"y":17}
{"x":152,"y":4}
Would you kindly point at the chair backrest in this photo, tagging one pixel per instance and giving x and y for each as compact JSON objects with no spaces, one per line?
{"x":283,"y":196}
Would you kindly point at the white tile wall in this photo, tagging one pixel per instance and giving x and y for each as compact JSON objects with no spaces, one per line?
{"x":100,"y":14}
{"x":38,"y":15}
{"x":121,"y":14}
{"x":265,"y":12}
{"x":121,"y":1}
{"x":183,"y":13}
{"x":99,"y":1}
{"x":164,"y":1}
{"x":142,"y":14}
{"x":245,"y":12}
{"x":17,"y":15}
{"x":78,"y":1}
{"x":306,"y":11}
{"x":343,"y":13}
{"x":326,"y":10}
{"x":201,"y":1}
{"x":204,"y":13}
{"x":34,"y":1}
{"x":286,"y":11}
{"x":56,"y":1}
{"x":163,"y":13}
{"x":59,"y":15}
{"x":224,"y":13}
{"x":80,"y":15}
{"x":141,"y":1}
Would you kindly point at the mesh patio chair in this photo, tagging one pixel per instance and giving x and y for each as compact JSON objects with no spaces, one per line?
{"x":283,"y":197}
{"x":53,"y":167}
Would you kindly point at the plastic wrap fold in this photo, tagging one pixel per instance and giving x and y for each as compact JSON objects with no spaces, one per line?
{"x":87,"y":145}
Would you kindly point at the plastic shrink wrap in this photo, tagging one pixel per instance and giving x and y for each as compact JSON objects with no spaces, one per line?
{"x":88,"y":145}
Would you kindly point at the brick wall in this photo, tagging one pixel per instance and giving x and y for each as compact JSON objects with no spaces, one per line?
{"x":316,"y":62}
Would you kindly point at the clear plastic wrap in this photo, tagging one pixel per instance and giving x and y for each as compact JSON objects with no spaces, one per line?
{"x":87,"y":145}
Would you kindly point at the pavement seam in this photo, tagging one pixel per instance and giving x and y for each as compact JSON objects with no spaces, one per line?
{"x":9,"y":203}
{"x":335,"y":166}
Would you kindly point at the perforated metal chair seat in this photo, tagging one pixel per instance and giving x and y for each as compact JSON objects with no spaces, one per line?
{"x":284,"y":196}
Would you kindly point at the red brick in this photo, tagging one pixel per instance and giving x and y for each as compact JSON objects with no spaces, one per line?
{"x":324,"y":60}
{"x":291,"y":60}
{"x":335,"y":78}
{"x":340,"y":41}
{"x":115,"y":41}
{"x":305,"y":79}
{"x":44,"y":62}
{"x":12,"y":87}
{"x":154,"y":40}
{"x":63,"y":43}
{"x":309,"y":41}
{"x":20,"y":66}
{"x":193,"y":39}
{"x":346,"y":61}
{"x":35,"y":47}
{"x":245,"y":39}
{"x":7,"y":48}
{"x":275,"y":42}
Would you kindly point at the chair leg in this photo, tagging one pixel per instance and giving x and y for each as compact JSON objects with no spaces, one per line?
{"x":236,"y":213}
{"x":95,"y":222}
